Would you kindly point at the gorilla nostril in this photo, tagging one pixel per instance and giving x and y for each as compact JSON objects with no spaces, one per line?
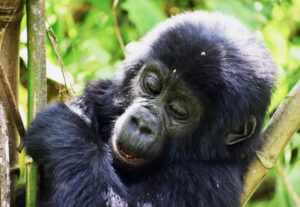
{"x":145,"y":130}
{"x":134,"y":121}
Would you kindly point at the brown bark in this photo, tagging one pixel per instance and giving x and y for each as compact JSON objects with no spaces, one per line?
{"x":11,"y":12}
{"x":4,"y":161}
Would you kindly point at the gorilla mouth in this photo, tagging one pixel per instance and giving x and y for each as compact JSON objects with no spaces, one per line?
{"x":128,"y":155}
{"x":125,"y":156}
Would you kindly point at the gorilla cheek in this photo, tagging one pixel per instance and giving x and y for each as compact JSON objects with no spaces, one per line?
{"x":137,"y":137}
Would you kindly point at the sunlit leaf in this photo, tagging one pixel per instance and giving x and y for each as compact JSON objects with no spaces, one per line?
{"x":145,"y":14}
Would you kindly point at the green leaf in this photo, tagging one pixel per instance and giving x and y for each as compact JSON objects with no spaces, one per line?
{"x":144,"y":14}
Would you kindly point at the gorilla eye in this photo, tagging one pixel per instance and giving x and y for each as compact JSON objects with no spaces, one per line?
{"x":178,"y":109}
{"x":152,"y":84}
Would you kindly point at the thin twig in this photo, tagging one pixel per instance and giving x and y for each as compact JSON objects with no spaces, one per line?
{"x":287,"y":184}
{"x":118,"y":33}
{"x":13,"y":106}
{"x":53,"y":41}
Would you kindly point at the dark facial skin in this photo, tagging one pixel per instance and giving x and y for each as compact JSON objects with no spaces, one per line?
{"x":162,"y":105}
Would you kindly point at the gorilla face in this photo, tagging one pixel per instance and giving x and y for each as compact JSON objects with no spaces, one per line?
{"x":163,"y":108}
{"x":192,"y":86}
{"x":162,"y":105}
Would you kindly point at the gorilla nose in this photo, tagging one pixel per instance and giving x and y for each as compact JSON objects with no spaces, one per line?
{"x":141,"y":125}
{"x":144,"y":123}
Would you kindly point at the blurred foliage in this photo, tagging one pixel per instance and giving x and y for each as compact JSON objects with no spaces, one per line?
{"x":90,"y":49}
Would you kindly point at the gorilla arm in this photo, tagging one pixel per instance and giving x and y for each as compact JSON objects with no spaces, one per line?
{"x":80,"y":170}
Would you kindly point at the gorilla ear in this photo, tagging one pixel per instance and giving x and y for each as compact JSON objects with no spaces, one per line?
{"x":242,"y":131}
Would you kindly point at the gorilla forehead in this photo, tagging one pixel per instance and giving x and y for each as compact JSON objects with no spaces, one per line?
{"x":214,"y":54}
{"x":209,"y":48}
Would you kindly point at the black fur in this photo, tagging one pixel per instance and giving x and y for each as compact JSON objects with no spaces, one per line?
{"x":233,"y":78}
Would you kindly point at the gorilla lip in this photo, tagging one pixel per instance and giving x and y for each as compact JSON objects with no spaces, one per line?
{"x":124,"y":155}
{"x":128,"y":156}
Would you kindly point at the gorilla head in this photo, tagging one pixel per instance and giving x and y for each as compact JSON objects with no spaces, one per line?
{"x":197,"y":87}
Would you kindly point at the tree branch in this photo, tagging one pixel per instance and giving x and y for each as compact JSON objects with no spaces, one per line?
{"x":4,"y":161}
{"x":280,"y":129}
{"x":13,"y":104}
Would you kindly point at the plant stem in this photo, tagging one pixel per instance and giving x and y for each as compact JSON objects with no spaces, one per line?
{"x":37,"y":82}
{"x":279,"y":131}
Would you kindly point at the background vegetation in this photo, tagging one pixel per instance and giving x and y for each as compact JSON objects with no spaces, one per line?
{"x":89,"y":49}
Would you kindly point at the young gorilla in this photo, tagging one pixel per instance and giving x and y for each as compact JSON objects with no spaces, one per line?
{"x":177,"y":127}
